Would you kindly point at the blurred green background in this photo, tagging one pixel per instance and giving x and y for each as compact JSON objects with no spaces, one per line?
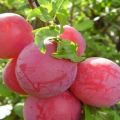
{"x":99,"y":23}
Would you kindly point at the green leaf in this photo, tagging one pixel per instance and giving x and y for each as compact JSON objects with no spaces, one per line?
{"x":88,"y":113}
{"x":18,"y":108}
{"x":4,"y":91}
{"x":84,"y":25}
{"x":44,"y":14}
{"x":41,"y":12}
{"x":47,"y":10}
{"x":62,"y":17}
{"x":44,"y":1}
{"x":57,"y":4}
{"x":116,"y":3}
{"x":44,"y":33}
{"x":67,"y":50}
{"x":93,"y":113}
{"x":33,"y":13}
{"x":116,"y":116}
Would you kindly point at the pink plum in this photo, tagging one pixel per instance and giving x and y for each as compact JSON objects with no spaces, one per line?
{"x":43,"y":75}
{"x":61,"y":107}
{"x":73,"y":35}
{"x":97,"y":82}
{"x":15,"y":34}
{"x":10,"y":79}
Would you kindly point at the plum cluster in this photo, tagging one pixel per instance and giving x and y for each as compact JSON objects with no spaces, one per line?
{"x":54,"y":87}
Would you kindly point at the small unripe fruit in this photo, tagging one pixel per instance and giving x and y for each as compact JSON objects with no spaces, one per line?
{"x":97,"y":82}
{"x":10,"y":79}
{"x":61,"y":107}
{"x":15,"y":34}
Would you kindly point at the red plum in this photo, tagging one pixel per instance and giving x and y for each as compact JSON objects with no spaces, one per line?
{"x":97,"y":82}
{"x":43,"y":75}
{"x":15,"y":34}
{"x":71,"y":34}
{"x":61,"y":107}
{"x":10,"y":79}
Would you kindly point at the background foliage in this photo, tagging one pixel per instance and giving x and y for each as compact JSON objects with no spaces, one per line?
{"x":99,"y":23}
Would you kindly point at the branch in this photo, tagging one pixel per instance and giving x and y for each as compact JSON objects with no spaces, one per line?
{"x":33,"y":3}
{"x":38,"y":23}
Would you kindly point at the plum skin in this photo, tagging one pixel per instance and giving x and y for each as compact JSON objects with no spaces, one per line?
{"x":71,"y":34}
{"x":15,"y":34}
{"x":97,"y":82}
{"x":41,"y":74}
{"x":10,"y":79}
{"x":62,"y":107}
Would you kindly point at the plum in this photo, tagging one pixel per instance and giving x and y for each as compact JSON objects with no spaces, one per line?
{"x":71,"y":34}
{"x":62,"y":107}
{"x":15,"y":34}
{"x":43,"y":75}
{"x":10,"y":79}
{"x":97,"y":82}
